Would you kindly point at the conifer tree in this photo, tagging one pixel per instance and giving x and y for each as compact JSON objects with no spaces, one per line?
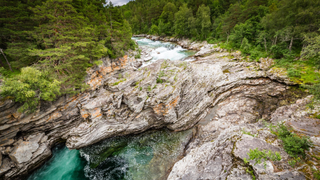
{"x":203,"y":21}
{"x":69,"y":42}
{"x":181,"y":21}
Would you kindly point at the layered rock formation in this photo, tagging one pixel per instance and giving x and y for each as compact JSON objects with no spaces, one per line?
{"x":219,"y":93}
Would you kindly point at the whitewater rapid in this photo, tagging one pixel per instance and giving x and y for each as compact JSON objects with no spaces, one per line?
{"x":163,"y":50}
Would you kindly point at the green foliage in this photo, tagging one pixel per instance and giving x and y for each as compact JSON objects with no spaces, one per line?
{"x":118,"y":82}
{"x":312,"y":50}
{"x":314,"y":89}
{"x":248,"y":133}
{"x":250,"y":171}
{"x":154,"y":30}
{"x":293,"y":144}
{"x":62,"y":38}
{"x":30,"y":87}
{"x":203,"y":21}
{"x":161,"y":74}
{"x":71,"y":42}
{"x":258,"y":156}
{"x":181,"y":21}
{"x":293,"y":72}
{"x":98,"y":63}
{"x":294,"y":161}
{"x":316,"y":174}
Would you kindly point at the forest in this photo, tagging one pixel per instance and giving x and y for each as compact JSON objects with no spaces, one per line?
{"x":286,"y":30}
{"x":46,"y":46}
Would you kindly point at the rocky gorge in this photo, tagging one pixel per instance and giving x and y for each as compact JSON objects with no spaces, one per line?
{"x":220,"y":95}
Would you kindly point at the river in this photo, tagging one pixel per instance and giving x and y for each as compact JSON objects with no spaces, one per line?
{"x":146,"y":156}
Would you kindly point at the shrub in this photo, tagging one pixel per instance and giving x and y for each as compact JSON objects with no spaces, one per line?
{"x":30,"y":87}
{"x":294,"y":161}
{"x":314,"y":89}
{"x":293,"y":72}
{"x":258,"y":156}
{"x":292,"y":143}
{"x":316,"y":174}
{"x":278,"y":51}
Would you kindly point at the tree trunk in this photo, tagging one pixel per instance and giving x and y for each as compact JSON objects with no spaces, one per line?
{"x":241,"y":43}
{"x":227,"y":38}
{"x":275,"y":41}
{"x":6,"y":59}
{"x":290,"y":46}
{"x":265,"y":45}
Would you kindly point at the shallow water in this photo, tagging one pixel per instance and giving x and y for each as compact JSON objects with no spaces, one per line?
{"x":163,"y":50}
{"x":140,"y":157}
{"x":65,"y":164}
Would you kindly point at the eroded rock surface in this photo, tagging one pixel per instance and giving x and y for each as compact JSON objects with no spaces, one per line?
{"x":217,"y":92}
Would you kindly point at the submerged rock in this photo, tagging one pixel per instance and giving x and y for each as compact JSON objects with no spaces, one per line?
{"x":146,"y":156}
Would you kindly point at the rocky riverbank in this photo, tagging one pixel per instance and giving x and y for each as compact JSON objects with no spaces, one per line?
{"x":219,"y":93}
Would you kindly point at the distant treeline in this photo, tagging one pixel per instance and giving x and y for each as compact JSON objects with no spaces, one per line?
{"x":276,"y":26}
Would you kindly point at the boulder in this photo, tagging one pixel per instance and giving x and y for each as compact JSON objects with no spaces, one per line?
{"x":22,"y":152}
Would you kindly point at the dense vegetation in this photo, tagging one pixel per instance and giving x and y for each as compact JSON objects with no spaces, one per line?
{"x":62,"y":38}
{"x":287,"y":30}
{"x":49,"y":45}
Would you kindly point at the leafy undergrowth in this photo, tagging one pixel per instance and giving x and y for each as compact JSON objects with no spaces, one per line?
{"x":304,"y":72}
{"x":262,"y":156}
{"x":297,"y":146}
{"x":293,"y":144}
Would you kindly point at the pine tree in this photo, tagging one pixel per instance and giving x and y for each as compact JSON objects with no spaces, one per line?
{"x":15,"y":19}
{"x":69,"y":43}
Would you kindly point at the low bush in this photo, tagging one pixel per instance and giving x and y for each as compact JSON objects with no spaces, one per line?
{"x":29,"y":87}
{"x":258,"y":156}
{"x":293,"y":144}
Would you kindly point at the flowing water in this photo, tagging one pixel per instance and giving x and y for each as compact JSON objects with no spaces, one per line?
{"x":149,"y":155}
{"x":163,"y":50}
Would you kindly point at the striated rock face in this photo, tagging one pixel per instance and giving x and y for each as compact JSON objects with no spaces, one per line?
{"x":26,"y":139}
{"x":220,"y":153}
{"x":217,"y":93}
{"x":223,"y":158}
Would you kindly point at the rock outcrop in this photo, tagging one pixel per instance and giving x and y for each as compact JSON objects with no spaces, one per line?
{"x":217,"y":92}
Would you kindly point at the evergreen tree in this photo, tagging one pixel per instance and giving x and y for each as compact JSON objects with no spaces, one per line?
{"x":181,"y":21}
{"x":203,"y":21}
{"x":15,"y":19}
{"x":167,"y":18}
{"x":69,"y":43}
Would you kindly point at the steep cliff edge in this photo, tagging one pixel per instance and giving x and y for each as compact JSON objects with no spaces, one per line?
{"x":218,"y":90}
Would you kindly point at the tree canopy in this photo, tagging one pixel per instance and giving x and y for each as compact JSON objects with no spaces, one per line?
{"x":56,"y":40}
